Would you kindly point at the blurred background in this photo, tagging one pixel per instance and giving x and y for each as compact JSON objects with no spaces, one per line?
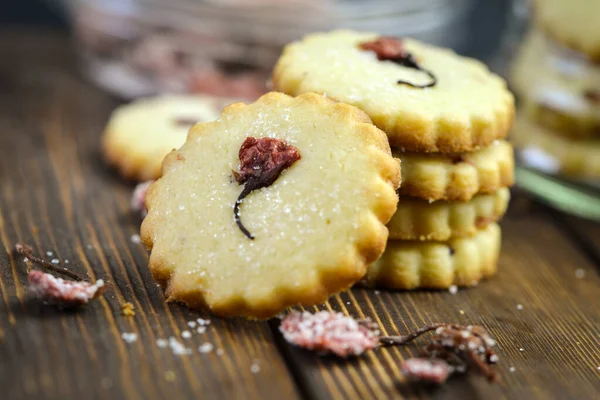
{"x":227,"y":47}
{"x":134,"y":48}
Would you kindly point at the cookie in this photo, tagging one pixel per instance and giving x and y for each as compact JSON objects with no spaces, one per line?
{"x":437,"y":176}
{"x":426,"y":99}
{"x":542,"y":150}
{"x":437,"y":265}
{"x":557,"y":90}
{"x":573,"y":23}
{"x":277,"y":203}
{"x":140,"y":134}
{"x":417,"y":219}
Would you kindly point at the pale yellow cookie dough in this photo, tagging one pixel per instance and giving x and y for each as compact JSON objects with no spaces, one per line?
{"x":461,"y":176}
{"x":418,"y":219}
{"x":546,"y":151}
{"x":437,"y":265}
{"x":469,"y":107}
{"x":556,"y":89}
{"x":316,"y":228}
{"x":140,"y":134}
{"x":573,"y":23}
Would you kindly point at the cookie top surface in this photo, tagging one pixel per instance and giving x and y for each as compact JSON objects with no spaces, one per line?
{"x":573,"y":23}
{"x":467,"y":108}
{"x":141,"y":133}
{"x":315,"y":228}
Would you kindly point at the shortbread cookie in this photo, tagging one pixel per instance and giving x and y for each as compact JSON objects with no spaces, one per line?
{"x":437,"y":176}
{"x":140,"y":134}
{"x":573,"y":23}
{"x":437,"y":265}
{"x":557,"y":90}
{"x":425,"y":98}
{"x":541,"y":149}
{"x":418,"y":219}
{"x":280,"y":202}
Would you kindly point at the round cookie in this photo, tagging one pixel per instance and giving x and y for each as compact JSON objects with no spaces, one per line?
{"x":557,"y":90}
{"x":417,"y":219}
{"x":541,"y":149}
{"x":573,"y":23}
{"x":140,"y":134}
{"x":309,"y":233}
{"x":437,"y":265}
{"x":467,"y":108}
{"x":437,"y":176}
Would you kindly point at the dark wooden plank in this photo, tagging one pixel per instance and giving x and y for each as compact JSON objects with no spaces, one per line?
{"x":56,"y":195}
{"x":558,"y":327}
{"x":584,"y":232}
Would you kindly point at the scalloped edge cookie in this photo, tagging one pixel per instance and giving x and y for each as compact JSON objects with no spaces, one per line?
{"x":557,"y":90}
{"x":437,"y":265}
{"x":573,"y":23}
{"x":417,"y":219}
{"x":457,"y":176}
{"x":300,"y":281}
{"x":136,"y":151}
{"x":541,"y":149}
{"x":419,"y":120}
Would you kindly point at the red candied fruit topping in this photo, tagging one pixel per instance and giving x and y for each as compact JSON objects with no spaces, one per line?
{"x":386,"y":48}
{"x":264,"y":159}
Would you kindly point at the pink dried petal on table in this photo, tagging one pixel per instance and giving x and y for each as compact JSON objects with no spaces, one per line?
{"x":426,"y":370}
{"x":138,"y":198}
{"x":61,"y":292}
{"x":329,"y":332}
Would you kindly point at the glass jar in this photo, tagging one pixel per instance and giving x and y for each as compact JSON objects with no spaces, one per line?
{"x":557,"y":126}
{"x":228,"y":47}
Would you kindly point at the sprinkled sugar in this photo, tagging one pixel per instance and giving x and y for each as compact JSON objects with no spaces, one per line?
{"x":206,"y":348}
{"x":135,"y":239}
{"x":129,"y":337}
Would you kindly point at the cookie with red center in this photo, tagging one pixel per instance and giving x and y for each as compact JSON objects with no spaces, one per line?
{"x":425,"y":98}
{"x":140,"y":134}
{"x":277,"y":203}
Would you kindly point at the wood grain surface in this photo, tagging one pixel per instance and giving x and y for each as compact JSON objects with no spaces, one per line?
{"x":57,"y":195}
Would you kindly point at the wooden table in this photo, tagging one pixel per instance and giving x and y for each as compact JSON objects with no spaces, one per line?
{"x":57,"y":195}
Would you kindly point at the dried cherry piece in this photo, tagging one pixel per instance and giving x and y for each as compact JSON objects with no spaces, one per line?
{"x":261,"y":162}
{"x":392,"y":49}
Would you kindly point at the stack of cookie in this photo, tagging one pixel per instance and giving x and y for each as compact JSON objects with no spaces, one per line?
{"x":446,"y":118}
{"x":557,"y":80}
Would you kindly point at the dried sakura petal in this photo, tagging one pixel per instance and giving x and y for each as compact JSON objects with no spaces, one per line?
{"x":329,"y":332}
{"x":426,"y":370}
{"x":459,"y":346}
{"x":264,"y":159}
{"x":60,"y":292}
{"x":385,"y":47}
{"x":261,"y":162}
{"x":138,"y":204}
{"x":392,"y":49}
